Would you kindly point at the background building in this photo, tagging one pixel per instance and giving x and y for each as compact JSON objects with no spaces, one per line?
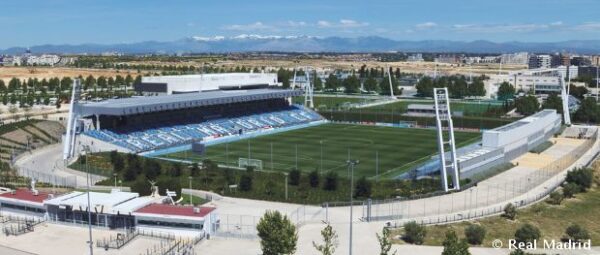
{"x":205,"y":82}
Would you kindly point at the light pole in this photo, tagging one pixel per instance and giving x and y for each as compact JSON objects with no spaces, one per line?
{"x":87,"y":150}
{"x":191,"y":197}
{"x":351,"y":164}
{"x":115,"y":175}
{"x":286,"y":185}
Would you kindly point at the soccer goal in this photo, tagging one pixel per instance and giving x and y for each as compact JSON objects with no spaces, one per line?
{"x":245,"y":162}
{"x":407,"y":124}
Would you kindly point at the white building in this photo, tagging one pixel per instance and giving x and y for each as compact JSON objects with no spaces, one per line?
{"x":573,"y":71}
{"x":540,"y":61}
{"x":415,"y":58}
{"x":519,"y":58}
{"x":43,"y":60}
{"x":205,"y":82}
{"x":524,"y":82}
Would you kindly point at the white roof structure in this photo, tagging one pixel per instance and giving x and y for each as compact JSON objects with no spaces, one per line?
{"x":105,"y":202}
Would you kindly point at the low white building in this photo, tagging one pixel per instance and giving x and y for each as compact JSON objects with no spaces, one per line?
{"x":526,"y":82}
{"x":205,"y":82}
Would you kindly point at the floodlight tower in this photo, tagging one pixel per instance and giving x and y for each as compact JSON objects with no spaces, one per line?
{"x":564,"y":93}
{"x":308,"y":89}
{"x":390,"y":80}
{"x":449,"y":165}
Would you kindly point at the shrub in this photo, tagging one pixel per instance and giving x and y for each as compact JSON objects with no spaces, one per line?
{"x":582,"y":177}
{"x":246,"y":182}
{"x":363,"y":188}
{"x":278,"y":235}
{"x":414,"y":233}
{"x":331,"y":181}
{"x":475,"y":234}
{"x":510,"y":212}
{"x":313,"y":178}
{"x":577,"y":233}
{"x":555,"y":198}
{"x":294,"y":177}
{"x":570,"y":189}
{"x":527,"y":234}
{"x":453,"y":246}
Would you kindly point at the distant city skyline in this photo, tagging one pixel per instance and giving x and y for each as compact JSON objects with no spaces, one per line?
{"x":35,"y":22}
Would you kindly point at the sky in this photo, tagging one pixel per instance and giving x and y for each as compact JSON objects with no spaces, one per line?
{"x":37,"y":22}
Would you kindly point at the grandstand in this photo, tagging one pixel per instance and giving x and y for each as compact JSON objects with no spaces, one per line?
{"x":148,"y":124}
{"x":499,"y":145}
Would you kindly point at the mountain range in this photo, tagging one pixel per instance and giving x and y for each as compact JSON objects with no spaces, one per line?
{"x":256,"y":43}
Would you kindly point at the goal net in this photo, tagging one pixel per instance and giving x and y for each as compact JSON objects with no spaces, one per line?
{"x":245,"y":162}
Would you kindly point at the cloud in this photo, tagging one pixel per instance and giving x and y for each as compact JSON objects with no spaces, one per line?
{"x":426,"y":25}
{"x":292,"y":23}
{"x":343,"y":23}
{"x":588,"y":26}
{"x":248,"y":27}
{"x":499,"y":28}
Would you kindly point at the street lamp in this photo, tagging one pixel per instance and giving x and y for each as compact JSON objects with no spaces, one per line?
{"x":351,"y":164}
{"x":115,"y":175}
{"x":86,"y":149}
{"x":286,"y":185}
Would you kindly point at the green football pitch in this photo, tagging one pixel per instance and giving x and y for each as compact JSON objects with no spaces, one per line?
{"x":383,"y":151}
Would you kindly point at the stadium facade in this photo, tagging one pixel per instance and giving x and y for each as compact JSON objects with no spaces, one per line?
{"x":499,"y":145}
{"x":173,"y":122}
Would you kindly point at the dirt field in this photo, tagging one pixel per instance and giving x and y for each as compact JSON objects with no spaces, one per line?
{"x":7,"y":73}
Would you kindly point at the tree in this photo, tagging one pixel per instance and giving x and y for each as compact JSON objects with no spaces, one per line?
{"x":570,"y":189}
{"x":477,"y":88}
{"x":277,"y":234}
{"x":117,"y":161}
{"x":582,"y":177}
{"x":475,"y":234}
{"x":330,"y":241}
{"x":314,"y":178}
{"x":246,"y":182}
{"x":553,"y":102}
{"x":317,"y":83}
{"x":351,"y":84}
{"x":453,"y":246}
{"x":385,"y":245}
{"x":505,"y":91}
{"x":527,"y":105}
{"x":425,"y":87}
{"x":414,"y":233}
{"x":194,"y":170}
{"x":175,"y":170}
{"x":294,"y":177}
{"x":556,"y":198}
{"x":152,"y":168}
{"x":332,"y":82}
{"x":578,"y":91}
{"x":527,"y":234}
{"x":384,"y":86}
{"x":331,"y":181}
{"x":577,"y":233}
{"x":510,"y":211}
{"x":587,"y":111}
{"x":362,"y":188}
{"x":141,"y":186}
{"x":370,"y":84}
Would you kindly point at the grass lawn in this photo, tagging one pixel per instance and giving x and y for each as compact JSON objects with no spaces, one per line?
{"x":397,"y":149}
{"x":552,"y":220}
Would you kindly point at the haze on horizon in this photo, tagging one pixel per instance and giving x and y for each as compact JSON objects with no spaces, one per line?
{"x":36,"y":22}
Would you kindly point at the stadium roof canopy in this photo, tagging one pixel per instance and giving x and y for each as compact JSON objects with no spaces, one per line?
{"x":141,"y":105}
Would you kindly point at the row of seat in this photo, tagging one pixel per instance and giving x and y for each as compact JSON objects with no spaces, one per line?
{"x":167,"y":136}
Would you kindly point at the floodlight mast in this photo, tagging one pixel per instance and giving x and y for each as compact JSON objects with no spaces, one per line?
{"x":564,"y":92}
{"x":308,"y":89}
{"x":390,"y":80}
{"x":443,"y":114}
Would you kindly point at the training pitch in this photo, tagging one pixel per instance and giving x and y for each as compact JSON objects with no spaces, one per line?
{"x":383,"y":151}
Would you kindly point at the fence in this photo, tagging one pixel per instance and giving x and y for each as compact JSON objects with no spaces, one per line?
{"x":488,"y":197}
{"x":20,"y":225}
{"x":171,"y":245}
{"x":236,"y":226}
{"x":50,"y":178}
{"x":118,"y":241}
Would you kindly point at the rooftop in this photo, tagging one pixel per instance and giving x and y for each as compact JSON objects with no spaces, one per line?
{"x":174,"y":210}
{"x":107,"y":201}
{"x":26,"y":195}
{"x":140,"y":105}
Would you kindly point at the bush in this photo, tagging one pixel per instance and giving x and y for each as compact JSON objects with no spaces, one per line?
{"x":294,"y":177}
{"x":414,"y":233}
{"x":577,"y":233}
{"x":555,"y":198}
{"x":313,"y":178}
{"x":453,"y":246}
{"x":246,"y":182}
{"x":363,"y":188}
{"x":510,"y":212}
{"x":331,"y":181}
{"x":527,"y":234}
{"x":475,"y":234}
{"x":142,"y":187}
{"x":582,"y":177}
{"x":570,"y":189}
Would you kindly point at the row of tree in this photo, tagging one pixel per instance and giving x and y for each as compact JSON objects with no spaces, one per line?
{"x":458,"y":86}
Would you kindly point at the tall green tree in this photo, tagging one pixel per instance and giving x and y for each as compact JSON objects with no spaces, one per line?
{"x":553,"y":101}
{"x":278,"y":235}
{"x":351,"y":84}
{"x":587,"y":111}
{"x":527,"y":105}
{"x":332,"y":83}
{"x":506,"y":91}
{"x":425,"y":87}
{"x":370,"y":84}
